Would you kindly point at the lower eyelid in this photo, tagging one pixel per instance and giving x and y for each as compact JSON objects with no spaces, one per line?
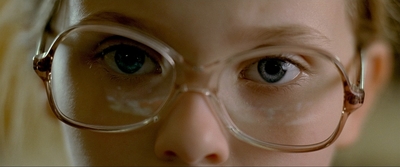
{"x":259,"y":88}
{"x":113,"y":76}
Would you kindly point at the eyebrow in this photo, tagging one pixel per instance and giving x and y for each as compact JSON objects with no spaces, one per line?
{"x":120,"y":19}
{"x":297,"y":34}
{"x":287,"y":34}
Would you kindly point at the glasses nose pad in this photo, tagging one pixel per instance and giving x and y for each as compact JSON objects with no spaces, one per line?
{"x":185,"y":88}
{"x":209,"y":96}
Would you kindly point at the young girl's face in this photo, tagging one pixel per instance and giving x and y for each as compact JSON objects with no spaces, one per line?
{"x":203,"y":32}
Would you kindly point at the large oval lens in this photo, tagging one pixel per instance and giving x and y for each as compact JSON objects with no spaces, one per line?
{"x":105,"y":79}
{"x":304,"y":109}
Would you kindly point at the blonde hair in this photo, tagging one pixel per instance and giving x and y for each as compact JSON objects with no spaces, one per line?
{"x":376,"y":20}
{"x":30,"y":135}
{"x":392,"y":31}
{"x":392,"y":25}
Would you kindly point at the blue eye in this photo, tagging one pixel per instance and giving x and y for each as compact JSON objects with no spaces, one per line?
{"x":129,"y":59}
{"x":272,"y":70}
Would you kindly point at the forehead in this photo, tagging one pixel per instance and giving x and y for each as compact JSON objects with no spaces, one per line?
{"x":210,"y":27}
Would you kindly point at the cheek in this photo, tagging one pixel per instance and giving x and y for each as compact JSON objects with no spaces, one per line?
{"x":89,"y":148}
{"x":245,"y":155}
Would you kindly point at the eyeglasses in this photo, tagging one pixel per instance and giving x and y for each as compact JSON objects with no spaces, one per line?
{"x":112,"y":78}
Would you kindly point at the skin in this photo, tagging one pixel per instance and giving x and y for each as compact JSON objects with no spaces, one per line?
{"x":203,"y":31}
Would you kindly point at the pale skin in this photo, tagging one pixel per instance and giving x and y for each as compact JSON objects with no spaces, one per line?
{"x":202,"y":31}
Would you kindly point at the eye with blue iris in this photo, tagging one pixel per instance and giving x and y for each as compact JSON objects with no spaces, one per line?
{"x":130,"y":58}
{"x":271,"y":70}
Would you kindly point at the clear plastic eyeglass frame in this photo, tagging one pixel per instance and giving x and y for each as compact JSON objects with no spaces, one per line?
{"x":42,"y":63}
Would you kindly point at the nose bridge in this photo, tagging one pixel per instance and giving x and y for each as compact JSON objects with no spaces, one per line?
{"x":203,"y":93}
{"x":196,"y":78}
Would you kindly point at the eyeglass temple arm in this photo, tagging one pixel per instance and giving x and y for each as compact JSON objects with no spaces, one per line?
{"x":362,"y":72}
{"x":42,"y":41}
{"x":354,"y":93}
{"x":42,"y":64}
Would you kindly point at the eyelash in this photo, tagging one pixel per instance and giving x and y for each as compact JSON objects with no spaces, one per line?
{"x":109,"y":42}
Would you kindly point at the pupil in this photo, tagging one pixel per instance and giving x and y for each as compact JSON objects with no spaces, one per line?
{"x":129,"y":59}
{"x":271,"y":70}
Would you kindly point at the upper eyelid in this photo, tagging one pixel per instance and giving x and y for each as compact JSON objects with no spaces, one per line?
{"x":295,"y":59}
{"x":119,"y":40}
{"x":105,"y":43}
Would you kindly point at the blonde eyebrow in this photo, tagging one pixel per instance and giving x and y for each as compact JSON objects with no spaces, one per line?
{"x":115,"y":17}
{"x":296,"y":33}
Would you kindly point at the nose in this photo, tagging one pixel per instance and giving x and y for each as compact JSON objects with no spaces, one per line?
{"x":191,"y":133}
